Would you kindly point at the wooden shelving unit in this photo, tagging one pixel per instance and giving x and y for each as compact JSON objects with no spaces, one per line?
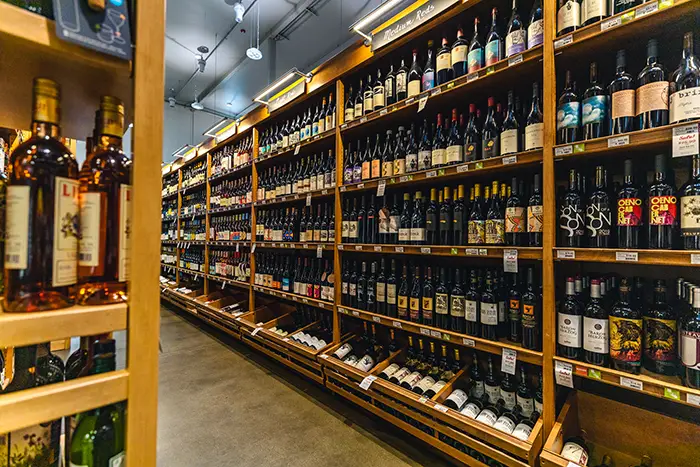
{"x":442,"y":250}
{"x":31,"y":48}
{"x":625,"y":256}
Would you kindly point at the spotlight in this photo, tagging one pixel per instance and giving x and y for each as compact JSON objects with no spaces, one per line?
{"x":171,"y":102}
{"x":239,"y":11}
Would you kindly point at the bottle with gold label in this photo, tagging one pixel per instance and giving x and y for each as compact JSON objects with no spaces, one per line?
{"x":42,"y":215}
{"x":105,"y":212}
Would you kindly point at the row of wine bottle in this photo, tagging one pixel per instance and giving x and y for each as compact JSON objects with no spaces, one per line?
{"x":310,"y":277}
{"x":194,"y":174}
{"x":193,"y":230}
{"x":575,"y":14}
{"x":230,"y":228}
{"x":305,"y":175}
{"x":231,"y":193}
{"x":232,"y":156}
{"x":295,"y":225}
{"x":194,"y":203}
{"x":316,"y":337}
{"x":230,"y":264}
{"x":575,"y":449}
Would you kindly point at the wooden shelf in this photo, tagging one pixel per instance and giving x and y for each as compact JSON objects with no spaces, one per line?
{"x":226,"y":209}
{"x":294,"y":297}
{"x":195,"y":187}
{"x":192,"y":272}
{"x":229,"y":243}
{"x":31,"y":48}
{"x":325,"y":136}
{"x":169,"y":242}
{"x":444,"y":174}
{"x":38,"y":405}
{"x":296,"y":245}
{"x":169,"y":219}
{"x":623,"y":256}
{"x":169,"y":195}
{"x":441,"y":250}
{"x":228,"y":173}
{"x":200,"y":213}
{"x":188,"y":243}
{"x":666,"y":387}
{"x":18,"y":329}
{"x":226,"y":280}
{"x":464,"y":340}
{"x":297,"y":197}
{"x":164,"y":265}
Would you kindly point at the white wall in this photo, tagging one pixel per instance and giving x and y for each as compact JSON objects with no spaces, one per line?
{"x":183,"y":126}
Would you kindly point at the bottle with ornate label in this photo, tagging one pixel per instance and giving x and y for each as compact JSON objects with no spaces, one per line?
{"x":595,"y":328}
{"x":535,"y":30}
{"x":684,"y":91}
{"x":690,"y":208}
{"x":568,"y":16}
{"x":599,"y":212}
{"x":689,"y":342}
{"x":568,"y":113}
{"x":569,"y":328}
{"x":571,"y":223}
{"x":626,"y":331}
{"x":458,"y":55}
{"x":444,"y":63}
{"x":594,"y":113}
{"x":660,"y":334}
{"x":534,"y":124}
{"x":516,"y":35}
{"x":475,"y":56}
{"x":663,"y":208}
{"x":630,"y":217}
{"x":42,"y":217}
{"x":593,"y":11}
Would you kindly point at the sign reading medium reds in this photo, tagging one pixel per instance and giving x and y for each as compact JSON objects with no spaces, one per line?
{"x":289,"y":95}
{"x":417,"y":14}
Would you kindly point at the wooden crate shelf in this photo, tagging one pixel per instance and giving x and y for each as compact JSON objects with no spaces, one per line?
{"x":225,"y":280}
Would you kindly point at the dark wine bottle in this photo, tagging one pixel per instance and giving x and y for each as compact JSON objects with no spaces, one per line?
{"x":534,"y":123}
{"x":516,"y":36}
{"x":459,"y":218}
{"x":490,"y":135}
{"x":414,"y":76}
{"x":472,"y":137}
{"x":568,"y":113}
{"x":660,"y":334}
{"x":569,"y":324}
{"x":595,"y":328}
{"x":663,"y":208}
{"x":531,"y":313}
{"x":593,"y":11}
{"x":515,"y":221}
{"x":476,"y":226}
{"x":625,"y":322}
{"x":379,"y":92}
{"x":683,"y":101}
{"x":690,"y":208}
{"x":535,"y":214}
{"x":391,"y":292}
{"x":488,"y":307}
{"x":689,"y":343}
{"x":514,"y":311}
{"x":418,"y":229}
{"x":401,"y":82}
{"x":390,"y":86}
{"x":571,"y":224}
{"x":458,"y":55}
{"x":444,"y":63}
{"x":568,"y":16}
{"x":599,"y":213}
{"x":414,"y":300}
{"x":475,"y":57}
{"x":630,"y":220}
{"x":456,"y":304}
{"x":652,"y":93}
{"x":471,"y":306}
{"x":432,"y":219}
{"x":428,"y":299}
{"x":380,"y":289}
{"x":442,"y":302}
{"x":622,"y":96}
{"x":510,"y":130}
{"x":594,"y":115}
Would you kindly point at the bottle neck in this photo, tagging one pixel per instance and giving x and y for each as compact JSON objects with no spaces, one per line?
{"x":42,"y":129}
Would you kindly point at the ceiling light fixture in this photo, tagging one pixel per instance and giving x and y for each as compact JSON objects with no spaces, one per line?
{"x":183,"y":151}
{"x":371,"y":17}
{"x":279,"y":82}
{"x":238,"y":10}
{"x":254,"y":53}
{"x":218,"y":127}
{"x":196,"y":105}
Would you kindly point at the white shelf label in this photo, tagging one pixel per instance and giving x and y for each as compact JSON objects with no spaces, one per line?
{"x":462,"y":168}
{"x":631,"y":383}
{"x":398,"y":249}
{"x":356,"y":313}
{"x":383,"y":112}
{"x":472,"y":77}
{"x":694,"y":258}
{"x":685,"y":140}
{"x":515,"y":60}
{"x":410,"y":101}
{"x":421,"y":103}
{"x":510,"y":261}
{"x":424,"y":331}
{"x":566,"y":40}
{"x":618,"y":141}
{"x":425,"y":250}
{"x":296,"y":150}
{"x":630,"y":256}
{"x":319,"y":251}
{"x":343,"y":189}
{"x":323,"y":356}
{"x":509,"y":160}
{"x":435,"y":91}
{"x":611,"y":23}
{"x":358,"y":247}
{"x":363,"y":120}
{"x":341,"y":247}
{"x":342,"y":310}
{"x":343,"y":126}
{"x":436,"y":334}
{"x":422,"y":400}
{"x":377,"y":248}
{"x":360,"y":186}
{"x":431,"y":174}
{"x":646,"y":9}
{"x":255,"y":331}
{"x":566,"y":254}
{"x":468,"y":342}
{"x":564,"y":150}
{"x":692,"y":399}
{"x":376,"y":319}
{"x":471,"y":251}
{"x":367,"y":382}
{"x":381,"y":188}
{"x":563,"y":374}
{"x":509,"y":359}
{"x":396,"y":324}
{"x":441,"y":408}
{"x":308,"y":199}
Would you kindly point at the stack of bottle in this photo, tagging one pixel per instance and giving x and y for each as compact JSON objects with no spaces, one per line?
{"x":294,"y":273}
{"x":194,"y":203}
{"x":311,"y":173}
{"x":168,"y":255}
{"x":169,"y":231}
{"x":318,"y":336}
{"x":230,"y":264}
{"x":192,"y":259}
{"x":230,"y":228}
{"x":366,"y":350}
{"x":194,"y":174}
{"x":193,"y":229}
{"x":169,"y":209}
{"x":308,"y":224}
{"x":231,"y":157}
{"x":231,"y":193}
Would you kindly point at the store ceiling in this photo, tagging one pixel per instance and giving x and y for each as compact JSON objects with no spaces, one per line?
{"x":300,"y":33}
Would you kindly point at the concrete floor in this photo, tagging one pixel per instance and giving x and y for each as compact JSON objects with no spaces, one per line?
{"x":223,"y":405}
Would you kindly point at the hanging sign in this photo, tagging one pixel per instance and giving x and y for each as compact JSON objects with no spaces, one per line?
{"x":409,"y":19}
{"x":288,"y":95}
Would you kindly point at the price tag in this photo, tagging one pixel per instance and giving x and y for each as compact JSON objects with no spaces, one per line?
{"x":342,"y":310}
{"x":305,"y":246}
{"x":665,"y":4}
{"x":515,"y":60}
{"x":381,"y":188}
{"x":304,"y":300}
{"x":356,"y":313}
{"x":608,"y":24}
{"x":483,"y":252}
{"x":405,"y":178}
{"x":316,"y":137}
{"x":479,"y":166}
{"x":252,"y":250}
{"x":508,"y":361}
{"x":376,"y":319}
{"x":377,"y":248}
{"x":630,"y":256}
{"x":341,"y":247}
{"x":440,"y":408}
{"x":692,"y":399}
{"x":425,"y":250}
{"x":685,"y":140}
{"x":594,"y":374}
{"x":471,"y":251}
{"x":255,"y":331}
{"x":462,"y":168}
{"x":672,"y":394}
{"x":646,"y":9}
{"x":308,"y":199}
{"x":472,"y":76}
{"x":421,"y":103}
{"x":383,"y":112}
{"x":367,"y":382}
{"x":410,"y":101}
{"x":343,"y":189}
{"x":343,"y":126}
{"x":454,"y":251}
{"x":431,"y":174}
{"x":358,"y":247}
{"x":424,"y":331}
{"x":363,"y":120}
{"x":563,"y":374}
{"x":422,"y":400}
{"x":297,"y":149}
{"x":563,"y":150}
{"x":323,"y":356}
{"x":360,"y":186}
{"x":510,"y":160}
{"x":396,"y":324}
{"x":566,"y":254}
{"x":436,"y":334}
{"x":435,"y":91}
{"x":510,"y":261}
{"x":631,"y":383}
{"x":324,"y":192}
{"x":618,"y":141}
{"x":694,"y":258}
{"x":579,"y":147}
{"x":398,"y":249}
{"x":468,"y":342}
{"x":321,"y":305}
{"x":566,"y":40}
{"x":319,"y":251}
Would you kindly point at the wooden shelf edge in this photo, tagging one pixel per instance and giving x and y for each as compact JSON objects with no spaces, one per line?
{"x":314,"y":139}
{"x":294,"y":297}
{"x":325,"y":192}
{"x":624,"y":256}
{"x":38,"y":405}
{"x":443,"y":250}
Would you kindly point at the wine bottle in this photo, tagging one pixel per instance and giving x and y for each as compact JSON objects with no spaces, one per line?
{"x":594,"y":113}
{"x":444,"y":63}
{"x":425,"y":147}
{"x":414,"y":76}
{"x":515,"y":221}
{"x":378,"y":92}
{"x":409,"y":163}
{"x":458,"y":55}
{"x":568,"y":113}
{"x":471,"y":306}
{"x":368,"y":97}
{"x":445,"y":220}
{"x":387,"y":156}
{"x":568,"y":16}
{"x":475,"y":57}
{"x":684,"y":90}
{"x":490,"y":136}
{"x":437,"y":154}
{"x":535,"y":29}
{"x":415,"y":297}
{"x":488,"y":307}
{"x":531,"y":313}
{"x":569,"y":324}
{"x":494,"y":41}
{"x":418,"y":227}
{"x":390,"y":86}
{"x":534,"y":124}
{"x":623,"y":5}
{"x":571,"y":224}
{"x":402,"y":306}
{"x":690,"y":208}
{"x":622,"y":96}
{"x":359,"y":101}
{"x":459,"y":219}
{"x":391,"y":303}
{"x":476,"y":233}
{"x":689,"y":342}
{"x":595,"y":328}
{"x":593,"y":11}
{"x":376,"y":159}
{"x":630,"y":220}
{"x":663,"y":208}
{"x":652,"y":93}
{"x":371,"y":291}
{"x":514,"y":311}
{"x":428,"y":299}
{"x":495,"y":221}
{"x":510,"y":131}
{"x":516,"y":36}
{"x":401,"y":82}
{"x":625,"y":321}
{"x":472,"y":137}
{"x":660,"y":334}
{"x":442,"y":303}
{"x":454,"y":152}
{"x":428,"y":78}
{"x":394,"y":222}
{"x":432,"y":219}
{"x":599,"y":213}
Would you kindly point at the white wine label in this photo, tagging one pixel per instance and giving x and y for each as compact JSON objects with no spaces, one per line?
{"x":471,"y":410}
{"x":593,"y":8}
{"x":472,"y":310}
{"x":494,"y":392}
{"x":425,"y":384}
{"x":527,"y":404}
{"x":569,"y":330}
{"x":509,"y":141}
{"x":459,"y":54}
{"x":17,"y":227}
{"x":413,"y":88}
{"x":438,"y":157}
{"x":690,"y":349}
{"x":89,"y":247}
{"x":366,"y":363}
{"x":508,"y":399}
{"x":454,"y":154}
{"x":437,"y":387}
{"x":535,"y":33}
{"x":412,"y":379}
{"x":489,"y":313}
{"x":65,"y":233}
{"x":487,"y":417}
{"x":534,"y":136}
{"x":515,"y":42}
{"x":569,"y":15}
{"x":504,"y":424}
{"x":400,"y":374}
{"x":458,"y":397}
{"x":522,"y":431}
{"x":381,"y":292}
{"x":390,"y":370}
{"x":118,"y":461}
{"x":342,"y":351}
{"x":444,"y":61}
{"x":595,"y":335}
{"x":575,"y":453}
{"x":684,"y":104}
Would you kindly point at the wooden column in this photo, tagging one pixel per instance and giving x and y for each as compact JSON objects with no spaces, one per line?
{"x":337,"y":270}
{"x":253,"y":218}
{"x":206,"y":226}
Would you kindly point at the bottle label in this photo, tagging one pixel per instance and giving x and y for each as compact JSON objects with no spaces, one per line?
{"x":425,"y":384}
{"x":412,"y":379}
{"x":444,"y":61}
{"x":494,"y":393}
{"x":458,"y":54}
{"x":417,"y":234}
{"x":690,"y":349}
{"x":89,"y":247}
{"x":660,"y":339}
{"x":476,"y":232}
{"x":595,"y":335}
{"x":404,"y":235}
{"x":366,"y":363}
{"x":125,"y":228}
{"x":424,"y":159}
{"x":37,"y":445}
{"x":368,"y":102}
{"x":427,"y":307}
{"x":381,"y":292}
{"x":400,"y":374}
{"x":389,"y":87}
{"x":571,"y":221}
{"x":378,"y":96}
{"x":569,"y":15}
{"x":490,"y":147}
{"x":349,"y":114}
{"x":454,"y":154}
{"x":568,"y":115}
{"x":493,"y":52}
{"x":391,"y":294}
{"x":575,"y":453}
{"x":489,"y":314}
{"x":477,"y":389}
{"x":509,"y":141}
{"x":353,"y":289}
{"x":459,"y":397}
{"x":414,"y":305}
{"x":495,"y":232}
{"x":400,"y":82}
{"x":487,"y":417}
{"x":394,"y":222}
{"x":390,"y":370}
{"x":457,"y":306}
{"x":471,"y":310}
{"x":400,"y":164}
{"x":514,"y":310}
{"x":475,"y":59}
{"x":66,"y":231}
{"x":322,"y":125}
{"x":690,"y":215}
{"x":366,"y":170}
{"x":17,"y":227}
{"x":684,"y":105}
{"x":594,"y":109}
{"x":387,"y":168}
{"x":441,"y":304}
{"x":437,"y":387}
{"x":471,"y":410}
{"x":470,"y":152}
{"x":353,"y":229}
{"x":652,"y":96}
{"x":527,"y":404}
{"x":629,"y":212}
{"x":345,"y":231}
{"x":598,"y":220}
{"x":663,"y":210}
{"x":376,"y":168}
{"x":593,"y":9}
{"x":535,"y":33}
{"x":534,"y":136}
{"x":384,"y":221}
{"x":569,"y":327}
{"x":428,"y":80}
{"x":504,"y":424}
{"x":410,"y":163}
{"x":438,"y":157}
{"x":509,"y":399}
{"x":515,"y":42}
{"x":626,"y":340}
{"x":515,"y":220}
{"x":522,"y":431}
{"x":413,"y":88}
{"x":343,"y":288}
{"x":358,"y":109}
{"x":535,"y":217}
{"x":623,"y":104}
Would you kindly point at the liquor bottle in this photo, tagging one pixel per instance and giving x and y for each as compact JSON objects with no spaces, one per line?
{"x":431,"y":219}
{"x":595,"y":328}
{"x":472,"y":137}
{"x":494,"y":41}
{"x":569,"y":327}
{"x":630,"y":219}
{"x":488,"y":307}
{"x":510,"y":131}
{"x":490,"y":135}
{"x":405,"y":221}
{"x":378,"y":92}
{"x":425,"y":154}
{"x":599,"y":213}
{"x":42,"y":213}
{"x":652,"y":93}
{"x":414,"y":299}
{"x":454,"y":152}
{"x":402,"y":306}
{"x":514,"y":311}
{"x":568,"y":111}
{"x":445,"y":219}
{"x":508,"y":388}
{"x":349,"y":107}
{"x":444,"y":63}
{"x":535,"y":29}
{"x":475,"y":57}
{"x":359,"y":102}
{"x":428,"y":77}
{"x":622,"y":96}
{"x":376,"y":159}
{"x":417,"y":236}
{"x":690,"y":208}
{"x":428,"y":300}
{"x":535,"y":213}
{"x":409,"y":163}
{"x":568,"y":16}
{"x":367,"y":161}
{"x":459,"y":219}
{"x":594,"y":113}
{"x":660,"y":334}
{"x":689,"y":342}
{"x":380,"y":289}
{"x":442,"y":302}
{"x":105,"y":213}
{"x":361,"y":222}
{"x":458,"y":55}
{"x":387,"y":157}
{"x":593,"y":11}
{"x":571,"y":224}
{"x":471,"y":306}
{"x":414,"y":76}
{"x":476,"y":225}
{"x":534,"y":124}
{"x":663,"y":208}
{"x":394,"y":222}
{"x":623,"y":5}
{"x":368,"y":97}
{"x":516,"y":36}
{"x":685,"y":85}
{"x":625,"y":331}
{"x":390,"y":86}
{"x":437,"y":153}
{"x":495,"y":222}
{"x":402,"y":82}
{"x":391,"y":304}
{"x":361,"y":288}
{"x":575,"y":450}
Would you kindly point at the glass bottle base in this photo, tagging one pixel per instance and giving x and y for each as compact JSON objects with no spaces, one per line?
{"x":101,"y":293}
{"x":29,"y":302}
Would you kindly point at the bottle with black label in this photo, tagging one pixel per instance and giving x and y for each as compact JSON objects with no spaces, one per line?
{"x":660,"y":334}
{"x":571,"y":211}
{"x":690,"y":208}
{"x":390,"y":86}
{"x":599,"y":213}
{"x":595,"y":328}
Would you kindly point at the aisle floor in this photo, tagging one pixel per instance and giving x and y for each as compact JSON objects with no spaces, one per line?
{"x":223,"y":405}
